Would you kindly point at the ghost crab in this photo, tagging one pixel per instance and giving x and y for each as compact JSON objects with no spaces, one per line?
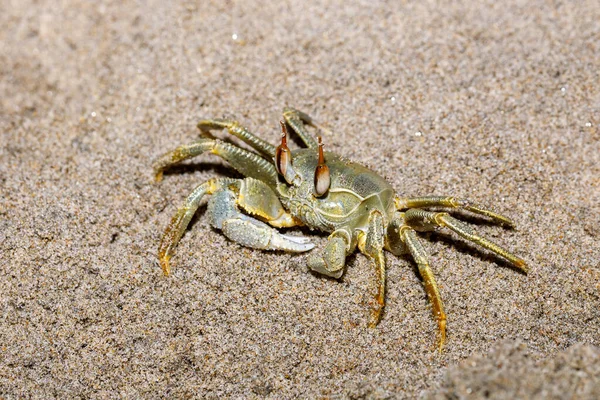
{"x":323,"y":191}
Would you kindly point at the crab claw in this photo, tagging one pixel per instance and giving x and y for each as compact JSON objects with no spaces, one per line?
{"x":331,"y":261}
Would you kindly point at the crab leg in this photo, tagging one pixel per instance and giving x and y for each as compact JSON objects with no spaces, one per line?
{"x":244,"y":161}
{"x":371,"y":244}
{"x":424,"y":219}
{"x":416,"y":249}
{"x":237,"y":130}
{"x":182,"y":218}
{"x":451,"y":202}
{"x":296,"y":120}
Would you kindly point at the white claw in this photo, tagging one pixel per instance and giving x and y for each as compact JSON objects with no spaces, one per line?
{"x":256,"y":234}
{"x":283,"y":242}
{"x":297,"y":239}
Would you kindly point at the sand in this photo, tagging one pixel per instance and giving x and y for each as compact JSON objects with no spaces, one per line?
{"x":496,"y":102}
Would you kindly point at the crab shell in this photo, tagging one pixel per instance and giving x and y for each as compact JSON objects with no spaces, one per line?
{"x":353,"y":193}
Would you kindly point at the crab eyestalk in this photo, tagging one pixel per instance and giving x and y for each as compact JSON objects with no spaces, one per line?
{"x":322,"y":177}
{"x":283,"y":157}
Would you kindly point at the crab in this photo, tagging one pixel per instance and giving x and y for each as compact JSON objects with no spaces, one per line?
{"x":322,"y":191}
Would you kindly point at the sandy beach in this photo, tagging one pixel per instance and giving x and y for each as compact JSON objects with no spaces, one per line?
{"x":495,"y":102}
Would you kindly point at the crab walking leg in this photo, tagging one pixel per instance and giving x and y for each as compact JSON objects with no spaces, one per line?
{"x":420,"y":218}
{"x":451,"y":202}
{"x":246,"y":162}
{"x":296,"y":120}
{"x":371,"y":244}
{"x":332,"y":259}
{"x":420,"y":256}
{"x":239,"y":131}
{"x":182,"y":218}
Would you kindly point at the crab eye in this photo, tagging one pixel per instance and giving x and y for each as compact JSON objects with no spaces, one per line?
{"x":283,"y":157}
{"x":322,"y":177}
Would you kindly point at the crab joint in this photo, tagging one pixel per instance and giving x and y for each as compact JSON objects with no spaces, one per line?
{"x":322,"y":177}
{"x":283,"y":157}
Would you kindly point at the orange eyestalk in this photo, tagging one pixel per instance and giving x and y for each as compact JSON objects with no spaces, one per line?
{"x":283,"y":157}
{"x":322,"y":177}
